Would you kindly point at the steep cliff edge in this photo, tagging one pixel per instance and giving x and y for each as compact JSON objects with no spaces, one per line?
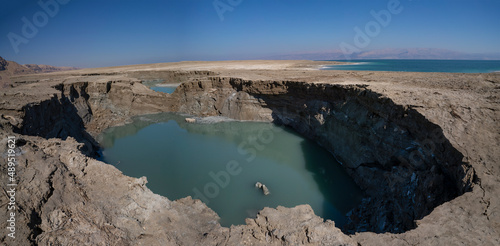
{"x":403,"y":161}
{"x":65,"y":196}
{"x":409,"y":152}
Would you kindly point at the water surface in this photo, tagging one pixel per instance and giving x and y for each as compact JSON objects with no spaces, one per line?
{"x":181,"y":159}
{"x":447,"y":66}
{"x":164,"y":89}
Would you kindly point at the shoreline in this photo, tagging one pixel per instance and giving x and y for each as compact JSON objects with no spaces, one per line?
{"x":173,"y":85}
{"x":394,"y":65}
{"x":346,"y":64}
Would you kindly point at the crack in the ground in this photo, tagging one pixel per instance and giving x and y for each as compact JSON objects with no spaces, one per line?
{"x":485,"y":213}
{"x":34,"y":217}
{"x":51,"y":187}
{"x":408,"y":243}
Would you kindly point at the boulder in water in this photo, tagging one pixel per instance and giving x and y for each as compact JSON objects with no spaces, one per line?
{"x":263,"y":187}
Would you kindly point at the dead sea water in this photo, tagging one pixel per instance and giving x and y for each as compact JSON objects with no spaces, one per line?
{"x":220,"y":163}
{"x":403,"y":65}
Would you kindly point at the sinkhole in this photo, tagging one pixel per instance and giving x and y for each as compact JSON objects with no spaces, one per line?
{"x":220,"y":161}
{"x":160,"y":85}
{"x":402,"y":162}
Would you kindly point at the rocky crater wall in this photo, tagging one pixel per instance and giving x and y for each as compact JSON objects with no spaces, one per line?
{"x":82,"y":109}
{"x":400,"y":159}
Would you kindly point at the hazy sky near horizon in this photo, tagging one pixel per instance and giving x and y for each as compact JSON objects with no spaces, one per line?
{"x":92,"y":33}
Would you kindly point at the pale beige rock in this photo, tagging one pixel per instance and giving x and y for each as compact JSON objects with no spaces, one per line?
{"x":263,"y":187}
{"x":69,"y":198}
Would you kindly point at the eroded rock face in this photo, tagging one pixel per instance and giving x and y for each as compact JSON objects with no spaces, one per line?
{"x":3,"y":64}
{"x":76,"y":200}
{"x":403,"y":161}
{"x":67,"y":197}
{"x":284,"y":226}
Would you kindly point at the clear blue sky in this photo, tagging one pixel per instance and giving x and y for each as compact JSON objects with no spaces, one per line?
{"x":92,"y":33}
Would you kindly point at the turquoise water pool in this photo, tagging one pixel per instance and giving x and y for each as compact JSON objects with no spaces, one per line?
{"x":220,"y":163}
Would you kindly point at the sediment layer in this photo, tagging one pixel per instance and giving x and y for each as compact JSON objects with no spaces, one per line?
{"x":399,"y":142}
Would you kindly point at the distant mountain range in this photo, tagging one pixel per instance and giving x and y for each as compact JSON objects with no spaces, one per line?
{"x":412,"y":53}
{"x":10,"y":68}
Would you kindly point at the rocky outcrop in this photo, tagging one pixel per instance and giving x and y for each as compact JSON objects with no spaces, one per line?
{"x":58,"y":118}
{"x":263,"y":187}
{"x":3,"y":64}
{"x":403,"y":161}
{"x":288,"y":226}
{"x":87,"y":106}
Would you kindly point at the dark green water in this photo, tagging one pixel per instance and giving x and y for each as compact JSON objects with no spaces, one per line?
{"x":401,"y":65}
{"x":220,"y":163}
